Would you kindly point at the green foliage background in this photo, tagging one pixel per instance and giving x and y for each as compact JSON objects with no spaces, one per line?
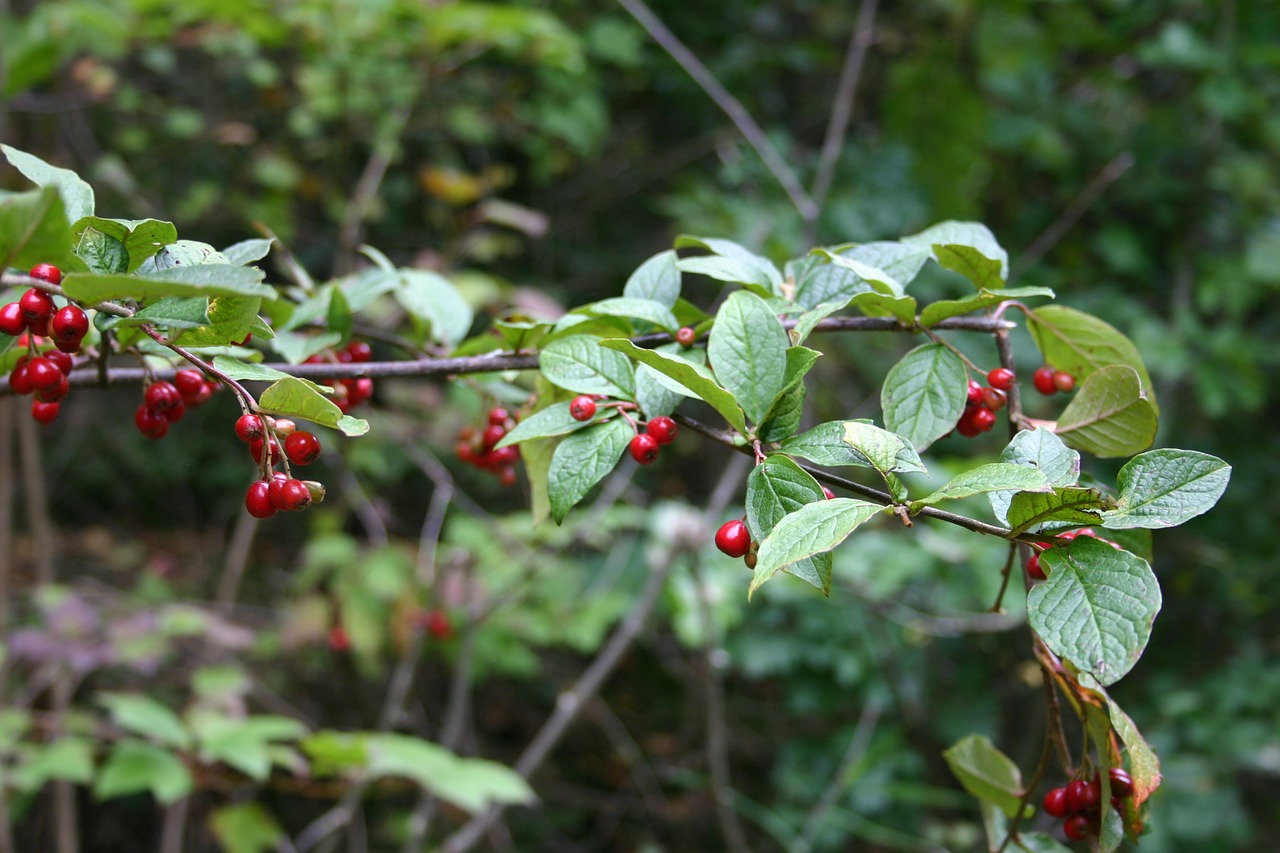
{"x":540,"y":151}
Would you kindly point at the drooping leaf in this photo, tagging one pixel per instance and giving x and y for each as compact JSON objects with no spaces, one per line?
{"x":134,"y":767}
{"x":776,"y":488}
{"x":582,"y":364}
{"x":1111,"y":414}
{"x":77,"y":195}
{"x":434,"y":299}
{"x":748,"y":352}
{"x":301,"y":398}
{"x":924,"y":394}
{"x":986,"y":773}
{"x":807,"y":534}
{"x":144,"y":716}
{"x":901,"y":260}
{"x":968,"y":248}
{"x":697,"y":380}
{"x":936,"y":312}
{"x":656,"y":279}
{"x":582,"y":460}
{"x":784,"y":415}
{"x":1164,"y":488}
{"x":730,"y":262}
{"x":1080,"y":344}
{"x":875,"y":278}
{"x":172,"y":314}
{"x":231,"y":318}
{"x":992,"y":477}
{"x":1096,"y":608}
{"x":901,"y":308}
{"x":102,"y":253}
{"x":248,"y":251}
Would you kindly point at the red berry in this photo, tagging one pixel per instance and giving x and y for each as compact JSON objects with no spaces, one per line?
{"x":162,"y":396}
{"x":64,"y":361}
{"x":1043,"y":380}
{"x":19,"y":382}
{"x":190,"y":384}
{"x":45,"y":412}
{"x":294,"y":496}
{"x":1064,"y":382}
{"x":982,"y":419}
{"x":1002,"y":378}
{"x":965,"y":426}
{"x":974,"y":394}
{"x":359,"y":351}
{"x":173,"y":414}
{"x":686,"y":336}
{"x":438,"y":625}
{"x":994,"y":399}
{"x":663,"y":429}
{"x":507,"y":477}
{"x":256,"y":451}
{"x":43,"y":374}
{"x":1077,"y":827}
{"x":493,"y":433}
{"x":46,"y":272}
{"x":508,"y":455}
{"x":55,"y":394}
{"x":151,"y":423}
{"x":827,"y":493}
{"x":1121,"y":782}
{"x":466,"y":452}
{"x":1082,"y":796}
{"x":338,"y":639}
{"x":69,"y":323}
{"x":302,"y":448}
{"x":358,"y":390}
{"x":12,"y":321}
{"x":582,"y":408}
{"x":249,"y":427}
{"x":498,"y":417}
{"x":257,"y":500}
{"x":1055,"y":802}
{"x":37,"y":308}
{"x":733,"y":538}
{"x":644,"y":448}
{"x":1035,"y":570}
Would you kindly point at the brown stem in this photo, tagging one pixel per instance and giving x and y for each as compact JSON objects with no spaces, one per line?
{"x":1004,"y":577}
{"x":37,"y":499}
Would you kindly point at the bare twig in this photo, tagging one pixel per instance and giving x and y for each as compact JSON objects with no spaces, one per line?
{"x":236,"y":559}
{"x":366,"y":188}
{"x":175,"y":826}
{"x":836,"y":788}
{"x":727,"y":103}
{"x":36,"y":499}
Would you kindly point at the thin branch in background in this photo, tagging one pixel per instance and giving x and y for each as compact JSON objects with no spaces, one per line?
{"x":351,"y":229}
{"x":66,"y":820}
{"x":841,"y":111}
{"x":646,"y":780}
{"x":727,"y":103}
{"x":7,"y":414}
{"x":374,"y":528}
{"x":36,"y":499}
{"x":1049,"y":238}
{"x":175,"y":826}
{"x":568,"y":705}
{"x":236,"y":560}
{"x":838,"y":785}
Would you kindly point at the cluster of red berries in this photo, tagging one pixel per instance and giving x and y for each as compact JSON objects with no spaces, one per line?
{"x":478,"y":448}
{"x":164,"y":403}
{"x":34,"y":320}
{"x":348,"y":393}
{"x":1036,"y":571}
{"x":983,"y":402}
{"x":278,"y":492}
{"x":1049,"y":381}
{"x":1079,"y":802}
{"x":645,"y":446}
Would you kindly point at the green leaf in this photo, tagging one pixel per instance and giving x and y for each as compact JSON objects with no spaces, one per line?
{"x":776,"y":488}
{"x":434,"y":299}
{"x":902,"y":261}
{"x":969,"y":248}
{"x":992,"y":477}
{"x":471,"y":784}
{"x":1080,"y":344}
{"x":582,"y":460}
{"x":140,"y":239}
{"x":1038,"y":842}
{"x":730,"y":262}
{"x":1039,"y":448}
{"x":134,"y":767}
{"x":656,"y":279}
{"x":1144,"y":765}
{"x":553,"y":420}
{"x":986,"y":773}
{"x":67,"y":758}
{"x":1070,"y":504}
{"x":807,"y":534}
{"x":247,"y":251}
{"x":200,"y":280}
{"x":1110,"y":414}
{"x":581,"y":363}
{"x":877,"y":279}
{"x":822,"y":283}
{"x":696,"y":379}
{"x":231,"y":318}
{"x":924,"y":394}
{"x":245,"y":828}
{"x":144,"y":716}
{"x":901,"y":308}
{"x":77,"y":195}
{"x":1096,"y":608}
{"x":806,"y":322}
{"x":645,"y":310}
{"x":244,"y":372}
{"x":33,"y":230}
{"x":936,"y":312}
{"x":1164,"y":488}
{"x":653,"y":392}
{"x":825,"y":445}
{"x":301,"y":398}
{"x":102,"y":253}
{"x":886,"y":451}
{"x":170,"y":314}
{"x":784,"y":416}
{"x":748,"y":352}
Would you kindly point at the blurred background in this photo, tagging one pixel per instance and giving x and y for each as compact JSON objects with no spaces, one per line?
{"x":1125,"y":152}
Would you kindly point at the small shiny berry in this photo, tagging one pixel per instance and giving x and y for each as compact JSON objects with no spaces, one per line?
{"x":359,"y":351}
{"x":55,"y":394}
{"x":686,"y":336}
{"x":62,"y":359}
{"x":983,"y":419}
{"x":19,"y":381}
{"x":294,"y":496}
{"x":46,"y":272}
{"x":507,"y":477}
{"x":151,"y":423}
{"x":12,"y":321}
{"x":733,"y":538}
{"x":1002,"y":378}
{"x":45,"y":412}
{"x":256,"y":451}
{"x":358,"y":390}
{"x":302,"y":448}
{"x":994,"y":399}
{"x":502,"y":456}
{"x":69,"y":323}
{"x":1042,"y":379}
{"x":1064,"y":382}
{"x":965,"y":426}
{"x":1121,"y":782}
{"x":1077,"y":827}
{"x":190,"y":384}
{"x":1083,"y":796}
{"x":1055,"y":802}
{"x":173,"y":414}
{"x":162,"y":396}
{"x":498,"y":417}
{"x":493,"y":433}
{"x":43,"y":374}
{"x":1035,"y":570}
{"x":663,"y":429}
{"x":249,"y":427}
{"x":438,"y":625}
{"x":827,"y":493}
{"x":37,"y":308}
{"x":257,"y":500}
{"x":644,"y":448}
{"x":974,"y":394}
{"x":582,"y":408}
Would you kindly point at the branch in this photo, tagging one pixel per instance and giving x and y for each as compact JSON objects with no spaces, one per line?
{"x":727,"y":103}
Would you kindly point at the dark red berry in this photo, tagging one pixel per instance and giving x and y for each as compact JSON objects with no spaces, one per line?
{"x":501,"y":456}
{"x":43,"y":374}
{"x":12,"y":320}
{"x":358,"y":390}
{"x":69,"y":323}
{"x":965,"y":426}
{"x":19,"y":382}
{"x":55,"y":394}
{"x":37,"y":308}
{"x":302,"y":448}
{"x":1121,"y":782}
{"x":498,"y":417}
{"x":162,"y":396}
{"x":974,"y":395}
{"x":827,"y":493}
{"x":151,"y":423}
{"x":64,"y":361}
{"x":507,"y":477}
{"x":983,"y":419}
{"x":294,"y":496}
{"x":438,"y":625}
{"x":1043,"y":380}
{"x":359,"y":351}
{"x":582,"y":408}
{"x":493,"y":433}
{"x":190,"y":384}
{"x":45,"y":412}
{"x":686,"y":336}
{"x":644,"y":448}
{"x":258,"y":499}
{"x":1035,"y":570}
{"x":173,"y":414}
{"x":1064,"y":382}
{"x":1077,"y":827}
{"x":1055,"y":802}
{"x":466,"y":452}
{"x":1082,"y":796}
{"x":1002,"y":378}
{"x":338,"y":639}
{"x":249,"y":427}
{"x":994,"y":399}
{"x":733,"y":538}
{"x":663,"y":429}
{"x":46,"y":272}
{"x":256,"y":451}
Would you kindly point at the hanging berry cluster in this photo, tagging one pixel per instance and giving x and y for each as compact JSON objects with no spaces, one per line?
{"x":351,"y":392}
{"x":278,"y":491}
{"x":52,"y":336}
{"x":1079,"y":802}
{"x":478,"y":448}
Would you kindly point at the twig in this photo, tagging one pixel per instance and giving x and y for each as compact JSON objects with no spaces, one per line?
{"x":1048,"y":238}
{"x":646,"y":780}
{"x":568,"y":706}
{"x":1004,"y":577}
{"x":236,"y":559}
{"x":727,"y":103}
{"x":175,"y":826}
{"x":36,"y":499}
{"x":841,"y":111}
{"x":366,"y":188}
{"x":858,"y":744}
{"x":370,"y":519}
